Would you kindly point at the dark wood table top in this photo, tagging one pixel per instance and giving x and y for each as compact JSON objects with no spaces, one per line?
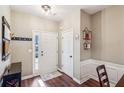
{"x":120,"y":82}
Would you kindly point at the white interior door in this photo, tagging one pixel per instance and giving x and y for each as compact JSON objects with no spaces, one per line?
{"x":67,"y":52}
{"x":48,"y":52}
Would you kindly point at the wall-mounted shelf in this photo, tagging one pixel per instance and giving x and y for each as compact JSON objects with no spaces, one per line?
{"x":21,"y":38}
{"x":87,"y":35}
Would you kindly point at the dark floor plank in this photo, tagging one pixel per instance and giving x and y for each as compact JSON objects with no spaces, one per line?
{"x":61,"y":81}
{"x":91,"y":83}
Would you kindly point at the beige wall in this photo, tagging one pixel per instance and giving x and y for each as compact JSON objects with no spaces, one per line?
{"x":108,"y":35}
{"x":107,"y":39}
{"x":96,"y":36}
{"x":73,"y":21}
{"x":22,"y":25}
{"x":4,"y":11}
{"x":85,"y":22}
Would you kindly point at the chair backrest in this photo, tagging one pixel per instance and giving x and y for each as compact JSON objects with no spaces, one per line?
{"x":103,"y":77}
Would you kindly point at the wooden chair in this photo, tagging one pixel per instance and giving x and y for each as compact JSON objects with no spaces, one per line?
{"x":103,"y":77}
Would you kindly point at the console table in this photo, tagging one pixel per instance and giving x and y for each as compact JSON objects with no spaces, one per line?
{"x":11,"y":75}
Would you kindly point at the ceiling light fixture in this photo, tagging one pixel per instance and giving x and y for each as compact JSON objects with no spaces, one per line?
{"x":46,"y":9}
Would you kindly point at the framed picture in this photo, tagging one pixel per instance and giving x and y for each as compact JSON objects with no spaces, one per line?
{"x":6,"y":37}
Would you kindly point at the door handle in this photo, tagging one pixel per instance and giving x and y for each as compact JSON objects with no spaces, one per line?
{"x":70,"y":56}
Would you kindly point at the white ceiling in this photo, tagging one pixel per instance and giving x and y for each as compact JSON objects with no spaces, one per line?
{"x":60,"y":10}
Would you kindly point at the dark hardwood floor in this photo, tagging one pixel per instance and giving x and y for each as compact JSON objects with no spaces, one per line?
{"x":61,"y":81}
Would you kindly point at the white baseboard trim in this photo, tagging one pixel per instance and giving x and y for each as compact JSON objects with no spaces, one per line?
{"x":29,"y":76}
{"x":76,"y":80}
{"x":84,"y":79}
{"x":59,"y":69}
{"x":94,"y":77}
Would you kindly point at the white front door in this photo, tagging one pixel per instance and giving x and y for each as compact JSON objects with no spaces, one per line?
{"x":67,"y":52}
{"x":48,"y":52}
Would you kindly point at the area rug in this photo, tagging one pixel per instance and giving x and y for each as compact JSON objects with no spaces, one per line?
{"x":51,"y":75}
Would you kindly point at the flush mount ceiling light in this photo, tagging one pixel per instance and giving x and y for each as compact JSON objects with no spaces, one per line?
{"x":47,"y":9}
